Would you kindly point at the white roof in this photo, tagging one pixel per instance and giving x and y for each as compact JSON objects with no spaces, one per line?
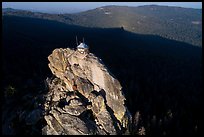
{"x":82,"y":46}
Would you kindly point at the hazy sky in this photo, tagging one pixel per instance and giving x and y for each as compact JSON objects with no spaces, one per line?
{"x":70,"y":7}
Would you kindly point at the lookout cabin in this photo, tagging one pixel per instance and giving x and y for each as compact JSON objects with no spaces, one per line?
{"x":83,"y":48}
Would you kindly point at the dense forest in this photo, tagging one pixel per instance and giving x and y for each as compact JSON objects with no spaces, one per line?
{"x":174,"y":23}
{"x":161,"y":78}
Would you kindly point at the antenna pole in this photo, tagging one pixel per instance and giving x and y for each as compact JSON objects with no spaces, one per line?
{"x":83,"y":39}
{"x":76,"y":41}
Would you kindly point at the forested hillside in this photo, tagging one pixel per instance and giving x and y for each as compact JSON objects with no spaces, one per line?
{"x":181,"y":24}
{"x":161,"y":78}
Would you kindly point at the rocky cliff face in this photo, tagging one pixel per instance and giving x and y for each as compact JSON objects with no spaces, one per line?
{"x":83,"y":98}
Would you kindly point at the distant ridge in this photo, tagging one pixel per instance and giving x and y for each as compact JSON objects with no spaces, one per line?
{"x":176,"y":23}
{"x":11,"y":10}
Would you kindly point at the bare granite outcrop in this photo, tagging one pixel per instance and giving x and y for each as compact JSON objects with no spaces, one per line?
{"x":84,"y":97}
